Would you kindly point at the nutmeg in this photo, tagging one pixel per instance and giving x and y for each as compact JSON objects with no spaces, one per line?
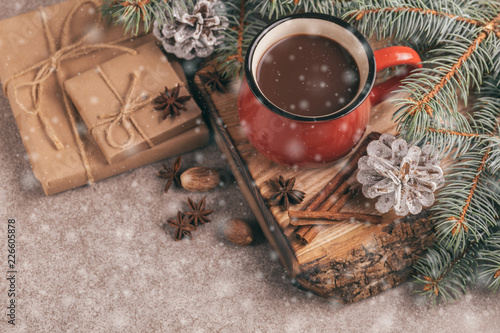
{"x":200,"y":179}
{"x":238,"y":232}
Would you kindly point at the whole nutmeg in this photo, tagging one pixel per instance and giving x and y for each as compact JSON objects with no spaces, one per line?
{"x":238,"y":232}
{"x":200,"y":179}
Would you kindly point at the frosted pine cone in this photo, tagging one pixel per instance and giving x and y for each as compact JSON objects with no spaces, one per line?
{"x":403,"y":178}
{"x":193,"y":35}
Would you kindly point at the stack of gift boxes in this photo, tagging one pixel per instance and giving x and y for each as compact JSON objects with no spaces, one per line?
{"x":86,"y":98}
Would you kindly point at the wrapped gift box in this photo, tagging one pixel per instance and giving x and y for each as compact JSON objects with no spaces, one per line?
{"x":119,"y":109}
{"x":38,"y":52}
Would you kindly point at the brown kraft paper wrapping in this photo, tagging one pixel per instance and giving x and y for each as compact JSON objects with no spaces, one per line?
{"x":62,"y":156}
{"x":123,"y":129}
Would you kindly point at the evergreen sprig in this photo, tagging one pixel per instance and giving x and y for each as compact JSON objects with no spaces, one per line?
{"x":489,"y":258}
{"x":135,"y":15}
{"x":467,"y":206}
{"x":463,"y":42}
{"x":245,"y":22}
{"x":277,"y":9}
{"x":445,"y":273}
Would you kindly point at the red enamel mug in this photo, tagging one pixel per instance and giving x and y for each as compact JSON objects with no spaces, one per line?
{"x":305,"y":141}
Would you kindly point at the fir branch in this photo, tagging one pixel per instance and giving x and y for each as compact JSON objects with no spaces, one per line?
{"x":423,"y":103}
{"x":452,"y":68}
{"x":450,"y":132}
{"x":390,"y":19}
{"x":486,"y":109}
{"x":447,"y":274}
{"x":456,"y":142}
{"x":358,"y":14}
{"x":489,"y":259}
{"x":245,"y":23}
{"x":241,"y":29}
{"x":135,"y":15}
{"x":276,"y":8}
{"x":455,"y":70}
{"x":467,"y":206}
{"x":330,"y":7}
{"x":273,"y":9}
{"x":483,"y":128}
{"x":460,"y":222}
{"x":434,"y":89}
{"x":493,"y":162}
{"x":471,"y":11}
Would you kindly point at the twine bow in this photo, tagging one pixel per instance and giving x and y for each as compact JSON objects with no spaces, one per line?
{"x":52,"y":65}
{"x":124,"y":117}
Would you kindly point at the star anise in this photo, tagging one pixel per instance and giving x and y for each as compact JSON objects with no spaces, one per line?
{"x":285,"y":194}
{"x":171,"y":174}
{"x":214,"y":80}
{"x":183,"y":226}
{"x":198,"y":214}
{"x":170,"y":102}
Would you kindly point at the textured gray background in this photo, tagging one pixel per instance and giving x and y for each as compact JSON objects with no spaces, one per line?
{"x":96,"y":260}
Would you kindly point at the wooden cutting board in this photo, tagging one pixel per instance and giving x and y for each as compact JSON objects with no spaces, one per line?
{"x":347,"y":261}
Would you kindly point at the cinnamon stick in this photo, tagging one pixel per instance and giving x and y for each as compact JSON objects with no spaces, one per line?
{"x":343,"y":200}
{"x":311,"y":232}
{"x":334,"y":198}
{"x":325,"y":218}
{"x":346,"y":171}
{"x":333,"y":185}
{"x":306,"y":234}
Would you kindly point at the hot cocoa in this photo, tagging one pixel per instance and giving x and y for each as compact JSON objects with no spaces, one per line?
{"x":308,"y":75}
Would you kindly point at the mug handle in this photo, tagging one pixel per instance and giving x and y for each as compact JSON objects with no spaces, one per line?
{"x":388,"y":57}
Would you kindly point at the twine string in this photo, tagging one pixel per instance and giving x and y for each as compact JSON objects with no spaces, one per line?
{"x":124,"y":117}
